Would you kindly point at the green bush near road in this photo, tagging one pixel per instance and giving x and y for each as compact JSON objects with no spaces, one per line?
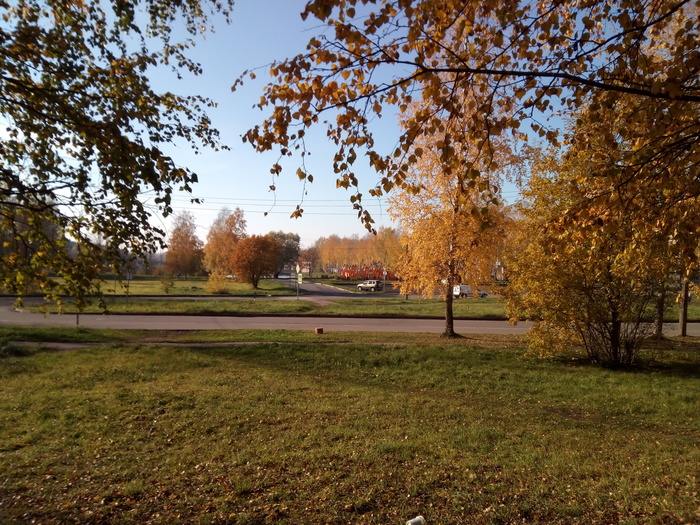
{"x":298,"y":428}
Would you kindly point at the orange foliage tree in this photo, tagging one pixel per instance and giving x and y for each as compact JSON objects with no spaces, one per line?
{"x":255,"y":257}
{"x":452,"y":231}
{"x":360,"y":255}
{"x":228,"y":229}
{"x":184,"y":255}
{"x":593,"y":287}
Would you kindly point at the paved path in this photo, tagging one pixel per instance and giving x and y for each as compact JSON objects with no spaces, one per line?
{"x":190,"y":322}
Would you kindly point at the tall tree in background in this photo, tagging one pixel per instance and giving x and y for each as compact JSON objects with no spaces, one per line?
{"x":290,"y":249}
{"x":331,"y":253}
{"x":386,"y":247}
{"x":228,"y":229}
{"x":184,"y":256}
{"x":309,"y":259}
{"x":255,"y":257}
{"x":494,"y":66}
{"x":83,"y":130}
{"x":378,"y":251}
{"x":452,"y":234}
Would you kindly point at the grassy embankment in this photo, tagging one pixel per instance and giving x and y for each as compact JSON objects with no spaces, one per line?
{"x":489,"y":308}
{"x":291,"y":427}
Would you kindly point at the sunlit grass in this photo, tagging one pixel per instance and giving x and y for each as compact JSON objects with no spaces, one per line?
{"x":102,"y":335}
{"x":195,"y":286}
{"x":489,"y":308}
{"x":297,"y":428}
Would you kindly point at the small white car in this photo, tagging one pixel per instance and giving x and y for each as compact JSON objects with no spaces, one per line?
{"x":370,"y":285}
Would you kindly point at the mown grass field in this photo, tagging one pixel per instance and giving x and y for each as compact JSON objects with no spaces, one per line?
{"x":283,"y":427}
{"x":196,"y":286}
{"x":490,"y":308}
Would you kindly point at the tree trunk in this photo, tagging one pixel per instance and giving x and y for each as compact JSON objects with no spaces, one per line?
{"x":683,"y":317}
{"x":449,"y":314}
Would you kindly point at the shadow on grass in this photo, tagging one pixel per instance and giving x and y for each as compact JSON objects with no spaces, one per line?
{"x":8,"y":349}
{"x":673,"y":357}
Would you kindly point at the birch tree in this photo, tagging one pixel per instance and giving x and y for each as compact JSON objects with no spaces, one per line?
{"x":452,"y":233}
{"x":521,"y":63}
{"x":184,"y":256}
{"x":592,"y":287}
{"x":84,"y":132}
{"x":226,"y":231}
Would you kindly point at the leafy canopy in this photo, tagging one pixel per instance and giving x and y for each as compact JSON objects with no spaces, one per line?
{"x":491,"y":65}
{"x":228,"y":228}
{"x":185,"y":250}
{"x":256,"y":257}
{"x":452,"y":233}
{"x":82,"y":130}
{"x":594,"y":288}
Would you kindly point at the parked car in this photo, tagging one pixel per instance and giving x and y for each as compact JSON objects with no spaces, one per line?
{"x":370,"y":285}
{"x":463,"y":290}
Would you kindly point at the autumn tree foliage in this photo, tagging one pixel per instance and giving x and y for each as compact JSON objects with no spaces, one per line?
{"x":593,"y":287}
{"x":385,"y":247}
{"x":226,"y":231}
{"x":380,"y":251}
{"x":184,"y":255}
{"x":501,"y":69}
{"x":256,"y":256}
{"x":334,"y":251}
{"x":21,"y":238}
{"x":289,"y":254}
{"x":308,"y":259}
{"x":84,"y":131}
{"x":452,"y":232}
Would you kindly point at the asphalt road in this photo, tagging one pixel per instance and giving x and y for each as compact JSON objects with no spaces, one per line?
{"x":190,"y":322}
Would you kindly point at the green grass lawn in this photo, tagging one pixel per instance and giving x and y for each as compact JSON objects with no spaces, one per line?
{"x":490,"y":308}
{"x":282,"y":427}
{"x":195,"y":286}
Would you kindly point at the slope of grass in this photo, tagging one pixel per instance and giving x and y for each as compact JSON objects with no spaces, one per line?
{"x":288,"y":430}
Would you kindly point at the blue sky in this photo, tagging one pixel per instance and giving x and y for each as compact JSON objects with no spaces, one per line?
{"x":262,"y":31}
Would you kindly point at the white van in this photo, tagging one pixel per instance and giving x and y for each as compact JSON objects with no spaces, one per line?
{"x":464,"y":290}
